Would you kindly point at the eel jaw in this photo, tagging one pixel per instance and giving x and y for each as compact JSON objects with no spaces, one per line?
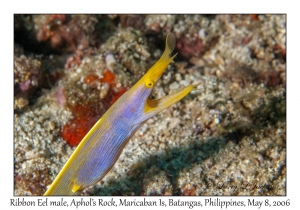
{"x":153,"y":107}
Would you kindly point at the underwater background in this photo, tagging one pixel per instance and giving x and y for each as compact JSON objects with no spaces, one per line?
{"x":227,"y":138}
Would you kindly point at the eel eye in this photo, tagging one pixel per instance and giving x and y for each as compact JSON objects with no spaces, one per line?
{"x":149,"y":83}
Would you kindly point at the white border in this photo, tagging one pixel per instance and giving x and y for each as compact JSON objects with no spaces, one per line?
{"x":216,"y":6}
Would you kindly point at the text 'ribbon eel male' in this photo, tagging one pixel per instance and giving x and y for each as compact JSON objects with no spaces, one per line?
{"x":100,"y":148}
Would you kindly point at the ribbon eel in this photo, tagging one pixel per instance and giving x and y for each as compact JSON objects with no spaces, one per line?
{"x":100,"y":148}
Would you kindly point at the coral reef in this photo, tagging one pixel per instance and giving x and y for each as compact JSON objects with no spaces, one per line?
{"x":65,"y":33}
{"x":28,"y":77}
{"x":87,"y":113}
{"x":226,"y":138}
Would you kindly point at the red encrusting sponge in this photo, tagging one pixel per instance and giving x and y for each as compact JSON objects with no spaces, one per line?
{"x":85,"y":116}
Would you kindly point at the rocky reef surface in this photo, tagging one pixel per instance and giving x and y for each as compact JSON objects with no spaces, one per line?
{"x":227,"y":138}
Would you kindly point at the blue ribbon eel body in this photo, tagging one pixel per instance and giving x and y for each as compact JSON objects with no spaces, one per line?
{"x":100,"y":148}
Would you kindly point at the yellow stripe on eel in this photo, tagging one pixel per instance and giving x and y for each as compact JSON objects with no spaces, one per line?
{"x":101,"y":147}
